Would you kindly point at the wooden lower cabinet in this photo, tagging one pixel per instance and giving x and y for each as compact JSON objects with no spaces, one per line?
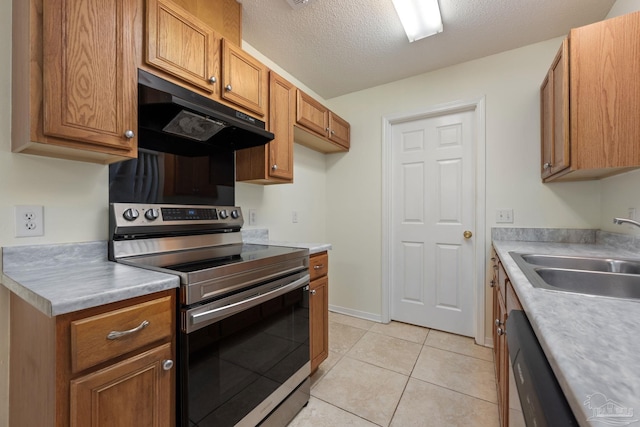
{"x":60,"y":377}
{"x":319,"y":309}
{"x":504,"y":300}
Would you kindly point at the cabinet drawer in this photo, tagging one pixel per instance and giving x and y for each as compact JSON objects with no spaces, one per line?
{"x":318,"y":265}
{"x":142,"y":324}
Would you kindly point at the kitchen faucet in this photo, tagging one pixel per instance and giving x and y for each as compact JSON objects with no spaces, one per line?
{"x":625,"y":220}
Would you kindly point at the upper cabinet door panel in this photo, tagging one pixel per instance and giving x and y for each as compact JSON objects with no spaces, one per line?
{"x":89,"y":71}
{"x":182,"y":45}
{"x":605,"y":92}
{"x":339,"y":130}
{"x":281,"y":109}
{"x":245,"y":79}
{"x":311,"y":114}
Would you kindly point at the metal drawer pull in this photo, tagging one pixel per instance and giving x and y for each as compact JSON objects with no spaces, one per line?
{"x":318,"y":267}
{"x":114,"y":335}
{"x":313,"y":292}
{"x":167,"y":364}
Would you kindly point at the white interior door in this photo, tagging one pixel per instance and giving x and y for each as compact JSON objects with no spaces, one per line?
{"x":433,"y":205}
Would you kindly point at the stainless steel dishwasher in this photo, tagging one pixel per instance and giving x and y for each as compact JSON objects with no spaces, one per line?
{"x":543,"y":402}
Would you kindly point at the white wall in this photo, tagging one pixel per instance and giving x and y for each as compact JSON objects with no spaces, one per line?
{"x":510,"y":82}
{"x":274,"y":204}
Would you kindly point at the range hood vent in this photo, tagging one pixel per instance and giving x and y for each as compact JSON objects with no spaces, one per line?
{"x":175,"y":120}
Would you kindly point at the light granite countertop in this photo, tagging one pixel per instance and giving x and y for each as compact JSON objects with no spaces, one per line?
{"x":59,"y":279}
{"x":261,"y":236}
{"x":591,"y":342}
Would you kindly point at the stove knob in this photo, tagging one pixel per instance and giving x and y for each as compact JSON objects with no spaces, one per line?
{"x":151,"y":214}
{"x":223,"y":214}
{"x":235,"y":214}
{"x":131,"y":214}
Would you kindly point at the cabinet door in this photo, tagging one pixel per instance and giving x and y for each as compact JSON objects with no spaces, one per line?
{"x":135,"y":392}
{"x":245,"y":79}
{"x":89,"y":72}
{"x":319,"y":321}
{"x":282,"y":104}
{"x":339,"y":130}
{"x":605,"y":93}
{"x":554,"y":115}
{"x":311,"y":114}
{"x":182,"y":45}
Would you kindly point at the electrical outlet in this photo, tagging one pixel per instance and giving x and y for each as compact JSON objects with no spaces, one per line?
{"x":504,"y":216}
{"x":29,"y":220}
{"x":294,"y":217}
{"x":252,"y":217}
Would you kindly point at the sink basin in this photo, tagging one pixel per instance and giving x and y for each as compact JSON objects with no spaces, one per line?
{"x":609,"y":277}
{"x":584,"y":263}
{"x":593,"y":283}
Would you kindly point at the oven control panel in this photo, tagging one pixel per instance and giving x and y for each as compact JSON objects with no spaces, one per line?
{"x":127,"y":216}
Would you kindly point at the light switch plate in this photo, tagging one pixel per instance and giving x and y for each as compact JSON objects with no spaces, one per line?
{"x":504,"y":216}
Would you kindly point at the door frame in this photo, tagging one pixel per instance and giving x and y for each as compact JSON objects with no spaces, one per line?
{"x":478,"y":106}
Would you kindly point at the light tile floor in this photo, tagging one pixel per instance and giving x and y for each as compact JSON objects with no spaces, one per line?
{"x":400,"y":375}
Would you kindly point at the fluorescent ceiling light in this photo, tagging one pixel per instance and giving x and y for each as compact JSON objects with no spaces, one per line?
{"x":420,"y":18}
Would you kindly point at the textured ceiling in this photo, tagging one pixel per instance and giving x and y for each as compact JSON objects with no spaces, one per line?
{"x":341,"y":46}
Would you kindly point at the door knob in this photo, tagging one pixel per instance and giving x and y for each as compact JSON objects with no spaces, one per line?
{"x":467,"y":234}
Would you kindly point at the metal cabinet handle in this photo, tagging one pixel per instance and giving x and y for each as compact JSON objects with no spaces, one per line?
{"x":228,"y":88}
{"x":129,"y":134}
{"x":501,"y":331}
{"x":114,"y":335}
{"x":167,"y":364}
{"x":492,"y":283}
{"x":498,"y":322}
{"x":547,"y":165}
{"x":313,"y":292}
{"x":274,"y":167}
{"x":467,"y":234}
{"x":213,"y":79}
{"x":318,"y":267}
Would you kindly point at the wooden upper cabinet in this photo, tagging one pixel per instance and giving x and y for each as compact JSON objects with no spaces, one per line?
{"x":182,"y":45}
{"x":554,"y":114}
{"x":311,"y":114}
{"x":603,"y":99}
{"x":89,"y":72}
{"x":339,"y":130}
{"x":282,"y":104}
{"x":319,"y":128}
{"x":245,"y":80}
{"x":75,"y":79}
{"x":272,"y":163}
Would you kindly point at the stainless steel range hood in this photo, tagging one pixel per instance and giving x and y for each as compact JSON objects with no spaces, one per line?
{"x":176,"y":120}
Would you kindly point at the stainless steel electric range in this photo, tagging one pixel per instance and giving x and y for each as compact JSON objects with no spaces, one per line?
{"x":244,"y":311}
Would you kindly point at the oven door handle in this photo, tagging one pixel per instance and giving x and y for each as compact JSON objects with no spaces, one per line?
{"x":231,"y":309}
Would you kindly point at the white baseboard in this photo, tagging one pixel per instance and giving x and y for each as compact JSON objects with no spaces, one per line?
{"x":356,"y":313}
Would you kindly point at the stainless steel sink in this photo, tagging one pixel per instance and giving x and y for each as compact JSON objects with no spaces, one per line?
{"x":610,"y":277}
{"x":593,"y":283}
{"x":584,"y":263}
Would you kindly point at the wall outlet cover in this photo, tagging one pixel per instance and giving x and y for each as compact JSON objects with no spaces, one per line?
{"x":504,"y":216}
{"x":29,"y":220}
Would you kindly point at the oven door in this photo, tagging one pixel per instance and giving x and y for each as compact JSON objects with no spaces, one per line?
{"x":241,"y":356}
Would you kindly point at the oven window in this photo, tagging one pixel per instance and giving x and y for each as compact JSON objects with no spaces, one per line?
{"x":236,"y":363}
